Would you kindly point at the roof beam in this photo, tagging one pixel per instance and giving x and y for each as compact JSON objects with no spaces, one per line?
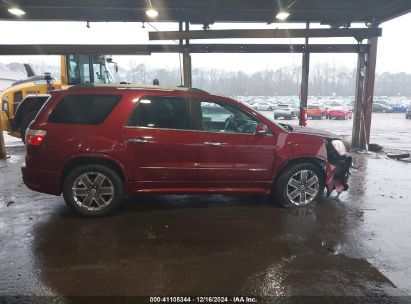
{"x":369,"y":13}
{"x":146,"y":49}
{"x":358,"y":33}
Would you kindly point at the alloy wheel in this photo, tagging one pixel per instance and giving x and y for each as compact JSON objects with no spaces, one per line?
{"x":303,"y":187}
{"x":93,"y":191}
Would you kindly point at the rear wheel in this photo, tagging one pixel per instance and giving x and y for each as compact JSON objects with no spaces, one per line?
{"x":93,"y":190}
{"x":299,"y":185}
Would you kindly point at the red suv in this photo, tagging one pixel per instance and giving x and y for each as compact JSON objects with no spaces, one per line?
{"x":97,"y":143}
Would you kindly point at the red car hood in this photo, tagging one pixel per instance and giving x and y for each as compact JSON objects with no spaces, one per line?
{"x":312,"y":131}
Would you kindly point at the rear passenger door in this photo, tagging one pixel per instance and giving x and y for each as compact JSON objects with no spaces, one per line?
{"x":164,"y":149}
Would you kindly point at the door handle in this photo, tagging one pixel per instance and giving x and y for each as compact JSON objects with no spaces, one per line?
{"x":212,"y":143}
{"x":138,"y":140}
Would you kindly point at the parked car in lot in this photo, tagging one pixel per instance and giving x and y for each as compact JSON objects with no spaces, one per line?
{"x":263,"y":106}
{"x":339,"y":113}
{"x":316,"y":112}
{"x":378,"y":107}
{"x":408,"y":112}
{"x":398,"y":108}
{"x":284,"y":110}
{"x":107,"y":141}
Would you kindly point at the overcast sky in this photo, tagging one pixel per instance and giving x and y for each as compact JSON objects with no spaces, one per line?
{"x":394,"y":47}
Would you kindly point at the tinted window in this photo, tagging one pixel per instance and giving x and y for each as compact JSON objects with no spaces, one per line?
{"x":89,"y":109}
{"x":223,"y":117}
{"x":161,"y":112}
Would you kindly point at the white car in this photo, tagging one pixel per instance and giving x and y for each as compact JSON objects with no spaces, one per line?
{"x":263,"y":106}
{"x":285,"y":110}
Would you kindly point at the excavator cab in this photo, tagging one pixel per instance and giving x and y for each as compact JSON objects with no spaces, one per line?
{"x":80,"y":68}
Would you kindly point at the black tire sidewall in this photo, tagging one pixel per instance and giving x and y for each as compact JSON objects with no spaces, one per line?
{"x":111,"y":174}
{"x":280,"y":191}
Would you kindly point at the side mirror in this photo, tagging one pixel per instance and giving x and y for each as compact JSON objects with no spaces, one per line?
{"x":262,"y":129}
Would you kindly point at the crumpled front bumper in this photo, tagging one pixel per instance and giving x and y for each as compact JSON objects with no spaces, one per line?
{"x":338,"y":173}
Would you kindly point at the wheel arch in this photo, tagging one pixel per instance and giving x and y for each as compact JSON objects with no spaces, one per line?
{"x":313,"y":160}
{"x":91,"y":160}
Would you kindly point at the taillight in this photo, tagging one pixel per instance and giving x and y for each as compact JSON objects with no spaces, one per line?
{"x":35,"y":137}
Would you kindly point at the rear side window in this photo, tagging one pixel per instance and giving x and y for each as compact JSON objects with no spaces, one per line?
{"x":88,"y":109}
{"x":161,"y":112}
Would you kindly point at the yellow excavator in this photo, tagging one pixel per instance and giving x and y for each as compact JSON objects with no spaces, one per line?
{"x":21,"y":102}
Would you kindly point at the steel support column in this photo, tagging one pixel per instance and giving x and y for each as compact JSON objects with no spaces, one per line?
{"x":2,"y":145}
{"x":187,"y":60}
{"x":304,"y":82}
{"x":358,"y":141}
{"x":371,"y":59}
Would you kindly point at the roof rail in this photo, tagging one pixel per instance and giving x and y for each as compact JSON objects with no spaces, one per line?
{"x":134,"y":87}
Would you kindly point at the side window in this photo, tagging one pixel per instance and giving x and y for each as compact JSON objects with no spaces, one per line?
{"x":89,"y":109}
{"x":223,"y":117}
{"x":161,"y":112}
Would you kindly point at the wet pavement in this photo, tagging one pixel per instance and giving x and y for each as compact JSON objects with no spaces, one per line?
{"x":356,"y":246}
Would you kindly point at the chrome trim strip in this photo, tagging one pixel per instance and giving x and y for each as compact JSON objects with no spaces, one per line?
{"x":236,"y":169}
{"x":189,"y":130}
{"x":168,"y":168}
{"x":197,"y":168}
{"x":258,"y":170}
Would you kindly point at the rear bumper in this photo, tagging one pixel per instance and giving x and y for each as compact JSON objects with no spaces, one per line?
{"x":337,"y":115}
{"x":41,"y":181}
{"x":279,"y":113}
{"x":315,"y":115}
{"x":338,"y":174}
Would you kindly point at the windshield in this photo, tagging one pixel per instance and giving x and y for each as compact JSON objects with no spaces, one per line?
{"x":101,"y":74}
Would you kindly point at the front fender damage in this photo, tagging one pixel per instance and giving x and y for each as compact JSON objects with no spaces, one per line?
{"x":338,"y":173}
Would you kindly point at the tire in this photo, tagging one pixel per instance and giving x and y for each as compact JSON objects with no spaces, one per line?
{"x":25,"y":124}
{"x":283,"y":190}
{"x":275,"y":117}
{"x":98,"y":205}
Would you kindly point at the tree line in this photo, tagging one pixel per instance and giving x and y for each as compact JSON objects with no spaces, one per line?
{"x":325,"y":79}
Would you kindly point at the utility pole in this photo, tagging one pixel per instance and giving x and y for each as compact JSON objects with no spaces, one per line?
{"x":304,"y":81}
{"x":2,"y":145}
{"x":187,"y":60}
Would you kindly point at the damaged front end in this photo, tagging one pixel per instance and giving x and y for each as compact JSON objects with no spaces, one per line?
{"x":338,"y":167}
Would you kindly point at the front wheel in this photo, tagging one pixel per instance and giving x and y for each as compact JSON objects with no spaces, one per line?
{"x":299,"y":185}
{"x":93,"y":190}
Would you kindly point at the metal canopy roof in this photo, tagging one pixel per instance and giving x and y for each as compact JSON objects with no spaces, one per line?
{"x":333,"y":12}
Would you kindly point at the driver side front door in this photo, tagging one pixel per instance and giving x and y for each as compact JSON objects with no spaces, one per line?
{"x":231,"y":154}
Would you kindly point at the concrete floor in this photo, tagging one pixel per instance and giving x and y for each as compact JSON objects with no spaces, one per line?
{"x":212,"y":245}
